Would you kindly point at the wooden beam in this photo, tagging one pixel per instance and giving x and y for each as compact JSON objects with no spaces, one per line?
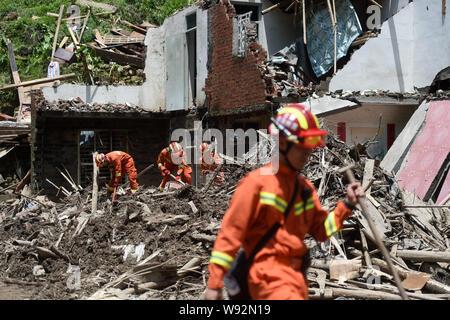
{"x":94,"y":184}
{"x":51,"y":14}
{"x":37,"y":81}
{"x":427,"y":256}
{"x":118,"y":57}
{"x":304,"y":21}
{"x":72,"y":35}
{"x":15,"y":73}
{"x":55,"y":40}
{"x":134,"y":26}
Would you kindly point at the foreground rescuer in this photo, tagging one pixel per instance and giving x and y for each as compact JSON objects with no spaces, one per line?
{"x":119,"y":163}
{"x":261,"y":201}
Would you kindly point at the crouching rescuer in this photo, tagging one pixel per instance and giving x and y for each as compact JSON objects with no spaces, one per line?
{"x":119,"y":163}
{"x":171,"y":159}
{"x":269,"y":216}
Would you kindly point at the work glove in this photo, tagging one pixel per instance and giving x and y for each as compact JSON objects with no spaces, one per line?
{"x":166,"y":172}
{"x":178,"y":178}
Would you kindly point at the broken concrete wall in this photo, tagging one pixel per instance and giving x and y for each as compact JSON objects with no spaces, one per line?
{"x":95,"y":94}
{"x":361,"y":124}
{"x":275,"y":29}
{"x":160,"y":55}
{"x":232,"y":82}
{"x":429,"y":152}
{"x":393,"y":160}
{"x":57,"y":143}
{"x":411,"y":49}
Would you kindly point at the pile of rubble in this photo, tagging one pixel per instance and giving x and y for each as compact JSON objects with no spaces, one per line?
{"x":157,"y":245}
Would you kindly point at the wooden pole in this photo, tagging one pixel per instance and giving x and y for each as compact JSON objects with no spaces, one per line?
{"x":145,"y":170}
{"x":84,"y":26}
{"x":16,"y":78}
{"x":94,"y":184}
{"x":304,"y":21}
{"x":379,"y":242}
{"x":55,"y":40}
{"x":335,"y":37}
{"x":427,"y":256}
{"x":37,"y":81}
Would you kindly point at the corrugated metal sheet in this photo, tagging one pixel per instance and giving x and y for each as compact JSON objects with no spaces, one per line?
{"x":428,"y":152}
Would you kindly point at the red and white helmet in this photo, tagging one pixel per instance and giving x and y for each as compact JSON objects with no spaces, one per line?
{"x":100,"y":159}
{"x":176,"y":148}
{"x":203,"y":147}
{"x":299,"y":125}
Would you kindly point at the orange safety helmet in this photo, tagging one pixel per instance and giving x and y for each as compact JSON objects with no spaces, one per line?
{"x":203,"y":147}
{"x":299,"y":125}
{"x":176,"y":148}
{"x":100,"y":159}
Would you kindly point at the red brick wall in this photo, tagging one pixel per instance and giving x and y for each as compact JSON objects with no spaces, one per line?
{"x":232,"y":82}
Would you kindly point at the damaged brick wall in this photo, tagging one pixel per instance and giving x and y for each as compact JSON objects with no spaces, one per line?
{"x":232,"y":82}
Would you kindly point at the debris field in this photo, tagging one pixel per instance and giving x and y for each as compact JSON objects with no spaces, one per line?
{"x":157,"y":245}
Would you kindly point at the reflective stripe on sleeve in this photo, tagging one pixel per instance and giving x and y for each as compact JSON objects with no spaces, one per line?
{"x":118,"y":174}
{"x":273,"y":200}
{"x":160,"y":165}
{"x":330,"y":224}
{"x":222,"y":259}
{"x":110,"y":188}
{"x":300,"y":207}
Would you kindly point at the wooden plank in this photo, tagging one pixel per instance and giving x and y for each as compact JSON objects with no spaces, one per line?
{"x":119,"y":57}
{"x":63,"y":42}
{"x":38,"y":81}
{"x":55,"y":40}
{"x":99,"y":37}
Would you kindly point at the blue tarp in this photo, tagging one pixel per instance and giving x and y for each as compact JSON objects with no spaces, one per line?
{"x":320,"y":33}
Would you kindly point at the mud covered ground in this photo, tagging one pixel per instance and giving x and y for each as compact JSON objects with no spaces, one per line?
{"x":166,"y":224}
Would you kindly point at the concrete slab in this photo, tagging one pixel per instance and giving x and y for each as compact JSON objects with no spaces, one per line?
{"x":398,"y":151}
{"x":328,"y":105}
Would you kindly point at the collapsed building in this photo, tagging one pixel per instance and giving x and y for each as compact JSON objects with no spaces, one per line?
{"x":232,"y":64}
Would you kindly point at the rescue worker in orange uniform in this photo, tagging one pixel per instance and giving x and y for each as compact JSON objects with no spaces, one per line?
{"x":209,"y":162}
{"x":119,"y":163}
{"x":259,"y":202}
{"x":170,"y":159}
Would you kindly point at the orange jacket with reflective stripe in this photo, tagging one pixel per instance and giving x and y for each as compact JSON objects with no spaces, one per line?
{"x":165,"y":162}
{"x":258,"y":203}
{"x":118,"y":162}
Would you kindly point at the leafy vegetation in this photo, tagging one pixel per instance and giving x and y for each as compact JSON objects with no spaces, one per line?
{"x":31,"y":31}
